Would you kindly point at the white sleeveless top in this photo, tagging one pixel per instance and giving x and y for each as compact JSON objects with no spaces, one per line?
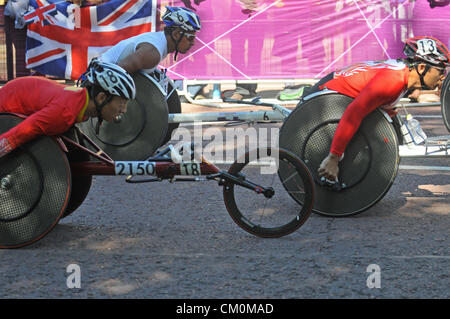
{"x":125,"y":47}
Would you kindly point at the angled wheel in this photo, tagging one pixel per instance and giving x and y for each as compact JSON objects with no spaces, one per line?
{"x":445,"y":102}
{"x":35,"y":183}
{"x":80,"y":184}
{"x":142,"y":129}
{"x":370,"y":162}
{"x":174,"y":105}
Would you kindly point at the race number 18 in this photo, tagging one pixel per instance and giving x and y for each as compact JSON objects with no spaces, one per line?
{"x":191,"y":168}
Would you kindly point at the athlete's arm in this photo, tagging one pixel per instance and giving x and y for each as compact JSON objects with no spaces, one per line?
{"x":383,"y":89}
{"x":146,"y":56}
{"x":52,"y":120}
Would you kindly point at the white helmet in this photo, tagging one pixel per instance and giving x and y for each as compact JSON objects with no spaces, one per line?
{"x":112,"y":78}
{"x":181,"y":17}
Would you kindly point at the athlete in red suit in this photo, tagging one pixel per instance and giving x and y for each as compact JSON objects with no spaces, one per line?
{"x":380,"y":85}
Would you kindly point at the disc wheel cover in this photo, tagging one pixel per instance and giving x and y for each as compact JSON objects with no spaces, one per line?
{"x":370,"y":162}
{"x":35,"y":188}
{"x":174,"y":105}
{"x":445,"y":102}
{"x":142,"y":129}
{"x":80,"y":184}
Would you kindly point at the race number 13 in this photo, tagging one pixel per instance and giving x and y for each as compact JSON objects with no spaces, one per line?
{"x":134,"y":168}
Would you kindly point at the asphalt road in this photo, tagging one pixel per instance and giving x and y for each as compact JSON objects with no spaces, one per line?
{"x":163,"y":240}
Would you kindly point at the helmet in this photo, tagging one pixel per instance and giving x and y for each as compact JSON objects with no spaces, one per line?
{"x":181,"y":17}
{"x":428,"y":50}
{"x":112,"y":78}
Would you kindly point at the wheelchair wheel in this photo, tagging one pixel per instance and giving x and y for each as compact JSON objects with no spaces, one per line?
{"x":370,"y":162}
{"x":445,"y":102}
{"x":174,"y":105}
{"x":142,"y":129}
{"x":278,"y":215}
{"x":35,"y":184}
{"x":80,"y":184}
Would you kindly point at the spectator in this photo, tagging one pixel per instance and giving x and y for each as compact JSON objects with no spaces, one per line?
{"x":16,"y":37}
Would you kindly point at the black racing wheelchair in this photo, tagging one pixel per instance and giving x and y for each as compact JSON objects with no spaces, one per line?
{"x":371,"y":160}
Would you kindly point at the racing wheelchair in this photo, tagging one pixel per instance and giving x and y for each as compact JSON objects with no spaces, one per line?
{"x":48,"y":178}
{"x":371,"y":161}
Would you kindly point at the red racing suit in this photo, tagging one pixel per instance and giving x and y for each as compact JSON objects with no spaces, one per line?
{"x":372,"y":85}
{"x":52,"y":108}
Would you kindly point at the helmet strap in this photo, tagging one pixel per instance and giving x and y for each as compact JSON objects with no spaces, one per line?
{"x":99,"y":108}
{"x":421,"y":76}
{"x":177,"y":42}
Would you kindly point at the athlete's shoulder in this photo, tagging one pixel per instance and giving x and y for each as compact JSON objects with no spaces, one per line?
{"x":394,"y":70}
{"x":155,"y":39}
{"x":390,"y":79}
{"x":391,"y":64}
{"x":27,"y":79}
{"x":40,"y":82}
{"x":370,"y":66}
{"x":27,"y":82}
{"x":151,"y":36}
{"x":48,"y":87}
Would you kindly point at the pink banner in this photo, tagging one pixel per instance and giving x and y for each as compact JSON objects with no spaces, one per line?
{"x":281,"y":39}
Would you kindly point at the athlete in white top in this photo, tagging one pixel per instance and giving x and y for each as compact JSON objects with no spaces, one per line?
{"x":145,"y":51}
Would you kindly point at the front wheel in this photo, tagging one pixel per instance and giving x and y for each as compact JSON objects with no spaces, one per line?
{"x":273,"y":213}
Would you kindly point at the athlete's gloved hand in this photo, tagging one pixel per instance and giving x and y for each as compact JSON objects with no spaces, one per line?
{"x":329,"y":168}
{"x":5,"y":147}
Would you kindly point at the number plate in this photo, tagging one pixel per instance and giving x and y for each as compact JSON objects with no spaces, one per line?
{"x":135,"y":168}
{"x":190,"y":168}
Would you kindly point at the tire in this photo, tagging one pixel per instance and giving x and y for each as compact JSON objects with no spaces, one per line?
{"x":282,"y":215}
{"x":142,"y":129}
{"x":80,"y":184}
{"x":445,"y":102}
{"x":35,"y":189}
{"x":371,"y":159}
{"x":80,"y":189}
{"x":174,"y":105}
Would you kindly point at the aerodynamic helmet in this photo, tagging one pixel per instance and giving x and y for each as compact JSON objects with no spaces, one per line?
{"x":112,"y":78}
{"x":428,"y":50}
{"x":181,"y":17}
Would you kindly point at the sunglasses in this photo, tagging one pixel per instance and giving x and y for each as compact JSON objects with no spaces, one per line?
{"x":442,"y":71}
{"x":190,"y":36}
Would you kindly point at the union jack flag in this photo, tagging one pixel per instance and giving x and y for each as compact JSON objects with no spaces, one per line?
{"x":68,"y":38}
{"x":40,"y":14}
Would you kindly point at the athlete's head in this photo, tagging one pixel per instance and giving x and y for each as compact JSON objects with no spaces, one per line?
{"x":181,"y":25}
{"x":429,"y":57}
{"x":110,"y":87}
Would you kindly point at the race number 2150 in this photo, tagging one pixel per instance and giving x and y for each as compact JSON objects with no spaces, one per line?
{"x":135,"y":168}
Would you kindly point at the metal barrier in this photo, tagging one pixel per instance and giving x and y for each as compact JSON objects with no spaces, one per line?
{"x":216,"y":102}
